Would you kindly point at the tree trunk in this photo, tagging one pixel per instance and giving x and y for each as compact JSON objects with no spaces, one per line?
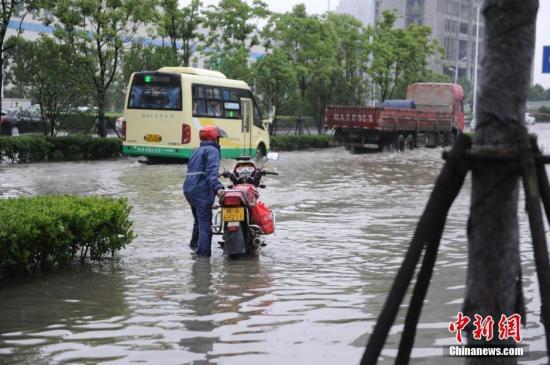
{"x":2,"y":35}
{"x":1,"y":75}
{"x":101,"y":130}
{"x":494,"y":272}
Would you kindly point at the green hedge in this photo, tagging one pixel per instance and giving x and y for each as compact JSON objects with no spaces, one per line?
{"x":39,"y":233}
{"x":291,"y":143}
{"x":37,"y":148}
{"x":84,"y":123}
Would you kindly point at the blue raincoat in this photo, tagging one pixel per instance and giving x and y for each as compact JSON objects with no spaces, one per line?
{"x":199,"y":188}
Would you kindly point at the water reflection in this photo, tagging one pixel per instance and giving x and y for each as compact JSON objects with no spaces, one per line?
{"x":41,"y":313}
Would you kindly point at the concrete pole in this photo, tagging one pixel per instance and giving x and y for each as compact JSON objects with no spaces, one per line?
{"x":493,"y":283}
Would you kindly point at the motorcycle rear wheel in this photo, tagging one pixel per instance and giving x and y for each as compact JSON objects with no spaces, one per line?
{"x":234,"y":243}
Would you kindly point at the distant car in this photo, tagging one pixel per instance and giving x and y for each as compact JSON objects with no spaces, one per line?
{"x":14,"y":122}
{"x":529,"y":119}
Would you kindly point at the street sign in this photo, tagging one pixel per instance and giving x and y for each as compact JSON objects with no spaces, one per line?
{"x":546,"y":60}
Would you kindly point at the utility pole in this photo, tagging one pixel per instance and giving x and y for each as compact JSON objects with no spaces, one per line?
{"x":493,"y":283}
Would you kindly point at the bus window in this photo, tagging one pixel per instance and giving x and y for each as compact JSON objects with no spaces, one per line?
{"x":214,"y":108}
{"x":257,"y":117}
{"x":226,"y":94}
{"x":217,"y":102}
{"x":216,"y":93}
{"x":155,"y":91}
{"x":232,"y":110}
{"x":199,"y":108}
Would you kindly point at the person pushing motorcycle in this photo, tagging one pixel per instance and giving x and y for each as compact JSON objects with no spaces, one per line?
{"x":202,"y":185}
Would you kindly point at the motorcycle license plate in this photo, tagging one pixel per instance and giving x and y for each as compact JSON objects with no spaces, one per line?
{"x":233,"y":214}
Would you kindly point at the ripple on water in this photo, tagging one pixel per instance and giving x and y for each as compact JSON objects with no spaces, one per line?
{"x":311,"y":296}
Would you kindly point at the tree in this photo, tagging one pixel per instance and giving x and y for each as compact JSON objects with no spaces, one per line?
{"x":189,"y":34}
{"x":493,"y":284}
{"x":181,"y":24}
{"x":275,"y":80}
{"x":233,"y":31}
{"x":141,"y":57}
{"x":11,"y":8}
{"x":95,"y":32}
{"x":399,"y":56}
{"x":349,"y":70}
{"x":43,"y":71}
{"x":310,"y":48}
{"x":536,"y":93}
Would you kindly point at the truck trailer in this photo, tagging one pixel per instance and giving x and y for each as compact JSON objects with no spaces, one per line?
{"x":432,"y":115}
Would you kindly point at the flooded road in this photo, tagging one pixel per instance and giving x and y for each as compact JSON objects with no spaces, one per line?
{"x":311,"y":296}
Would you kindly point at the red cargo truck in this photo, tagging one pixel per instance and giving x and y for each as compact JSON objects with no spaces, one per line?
{"x":431,"y":116}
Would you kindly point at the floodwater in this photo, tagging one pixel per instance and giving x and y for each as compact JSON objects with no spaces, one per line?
{"x":311,"y":296}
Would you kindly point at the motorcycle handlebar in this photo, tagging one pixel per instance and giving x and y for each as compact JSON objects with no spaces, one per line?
{"x":270,"y":173}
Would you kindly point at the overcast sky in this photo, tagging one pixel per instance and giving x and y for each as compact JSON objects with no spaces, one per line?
{"x":320,"y":6}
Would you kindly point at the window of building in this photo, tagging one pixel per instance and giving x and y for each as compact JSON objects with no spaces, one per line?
{"x":464,"y":11}
{"x":463,"y":28}
{"x":462,"y":49}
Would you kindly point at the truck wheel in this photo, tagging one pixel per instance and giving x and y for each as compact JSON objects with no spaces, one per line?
{"x":400,"y":143}
{"x":441,"y":139}
{"x":410,"y":143}
{"x":451,"y":138}
{"x":388,"y":144}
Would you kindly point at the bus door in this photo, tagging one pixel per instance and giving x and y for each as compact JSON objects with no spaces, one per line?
{"x":247,"y":116}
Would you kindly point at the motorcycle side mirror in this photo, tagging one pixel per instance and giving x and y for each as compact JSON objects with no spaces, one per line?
{"x":262,"y":186}
{"x":230,"y":186}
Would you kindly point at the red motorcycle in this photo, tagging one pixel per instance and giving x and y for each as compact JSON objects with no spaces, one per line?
{"x":243,"y":218}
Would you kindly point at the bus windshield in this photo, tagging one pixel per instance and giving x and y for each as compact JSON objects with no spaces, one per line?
{"x":155,"y":90}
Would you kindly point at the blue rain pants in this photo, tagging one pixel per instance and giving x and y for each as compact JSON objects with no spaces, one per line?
{"x":199,"y":188}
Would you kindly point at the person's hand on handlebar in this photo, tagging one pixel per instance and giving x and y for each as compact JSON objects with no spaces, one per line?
{"x":220,"y":193}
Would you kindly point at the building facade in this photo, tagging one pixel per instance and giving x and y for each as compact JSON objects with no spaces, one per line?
{"x":360,"y":9}
{"x":453,"y":24}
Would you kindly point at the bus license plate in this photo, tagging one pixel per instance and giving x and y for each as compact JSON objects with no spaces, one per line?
{"x":153,"y":138}
{"x":233,"y":214}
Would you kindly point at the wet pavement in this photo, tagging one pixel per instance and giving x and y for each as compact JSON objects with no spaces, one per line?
{"x":310,"y":297}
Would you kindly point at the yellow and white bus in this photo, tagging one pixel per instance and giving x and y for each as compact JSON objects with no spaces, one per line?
{"x":165,"y":109}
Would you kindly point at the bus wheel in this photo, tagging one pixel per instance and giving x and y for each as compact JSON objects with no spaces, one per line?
{"x":260,"y":151}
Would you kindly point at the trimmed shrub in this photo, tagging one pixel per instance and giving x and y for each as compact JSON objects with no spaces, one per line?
{"x":291,"y":143}
{"x":84,"y":123}
{"x":39,"y":233}
{"x":37,"y":148}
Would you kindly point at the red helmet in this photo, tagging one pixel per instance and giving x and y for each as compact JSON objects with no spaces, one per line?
{"x":211,"y":133}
